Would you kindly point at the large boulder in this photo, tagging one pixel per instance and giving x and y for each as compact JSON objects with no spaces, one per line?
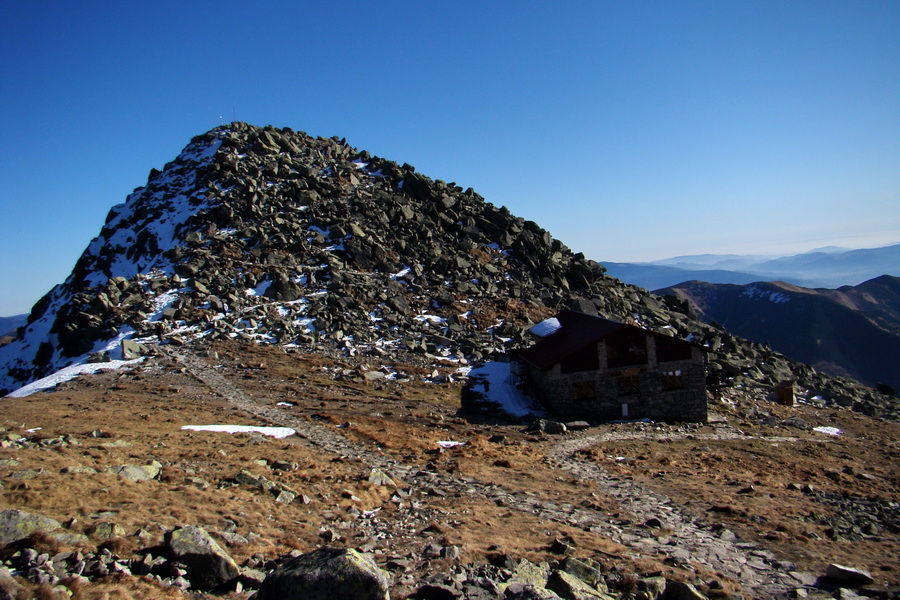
{"x":848,"y":575}
{"x":326,"y":574}
{"x":17,"y":524}
{"x":208,"y":564}
{"x":136,"y":472}
{"x":569,"y":587}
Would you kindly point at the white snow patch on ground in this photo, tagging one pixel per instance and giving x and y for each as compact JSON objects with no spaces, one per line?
{"x":828,"y":430}
{"x":401,"y":273}
{"x":495,"y":382}
{"x":275,"y":432}
{"x":68,"y":373}
{"x":161,"y":303}
{"x":433,"y":319}
{"x":450,"y":444}
{"x":259,"y":290}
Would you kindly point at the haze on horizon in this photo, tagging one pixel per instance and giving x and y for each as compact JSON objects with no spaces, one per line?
{"x":632,"y":132}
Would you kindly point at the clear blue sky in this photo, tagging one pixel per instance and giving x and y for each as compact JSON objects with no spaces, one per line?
{"x":630,"y":130}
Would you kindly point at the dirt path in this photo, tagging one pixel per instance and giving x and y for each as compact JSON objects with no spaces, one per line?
{"x":682,"y":537}
{"x":685,"y":537}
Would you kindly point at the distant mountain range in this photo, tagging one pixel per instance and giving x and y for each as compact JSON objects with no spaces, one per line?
{"x":851,"y":331}
{"x":830,"y":267}
{"x":8,"y":325}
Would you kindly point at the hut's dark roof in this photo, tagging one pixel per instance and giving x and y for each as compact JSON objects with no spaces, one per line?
{"x":571,"y":332}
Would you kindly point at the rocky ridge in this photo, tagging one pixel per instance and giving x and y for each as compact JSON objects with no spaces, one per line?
{"x":273,"y":236}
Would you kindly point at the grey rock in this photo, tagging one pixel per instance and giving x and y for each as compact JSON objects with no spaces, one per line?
{"x":577,"y":425}
{"x":17,"y":524}
{"x":583,"y":570}
{"x":107,"y":531}
{"x":529,"y":592}
{"x":437,"y":591}
{"x":653,"y":587}
{"x":555,"y":427}
{"x":848,"y":575}
{"x":132,"y":350}
{"x":679,"y":590}
{"x":208,"y":564}
{"x":569,"y":587}
{"x":326,"y":574}
{"x":137,"y":472}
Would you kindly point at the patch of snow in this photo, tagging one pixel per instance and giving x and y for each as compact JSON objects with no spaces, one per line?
{"x":450,"y":444}
{"x":161,"y":303}
{"x":275,"y":432}
{"x":68,"y":373}
{"x":433,"y":319}
{"x":495,"y":381}
{"x":307,"y":323}
{"x":753,"y":291}
{"x":401,"y":273}
{"x":259,"y":290}
{"x":546,"y":327}
{"x":828,"y":430}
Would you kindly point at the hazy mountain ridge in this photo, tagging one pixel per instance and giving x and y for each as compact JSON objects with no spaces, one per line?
{"x":851,"y":331}
{"x":9,"y":324}
{"x":826,"y":267}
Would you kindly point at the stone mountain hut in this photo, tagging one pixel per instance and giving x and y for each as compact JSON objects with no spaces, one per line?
{"x":590,"y":368}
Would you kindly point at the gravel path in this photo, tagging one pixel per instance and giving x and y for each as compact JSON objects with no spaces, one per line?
{"x":686,"y":538}
{"x":682,"y":537}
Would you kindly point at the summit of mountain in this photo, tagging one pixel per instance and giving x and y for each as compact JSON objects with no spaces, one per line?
{"x":273,"y":236}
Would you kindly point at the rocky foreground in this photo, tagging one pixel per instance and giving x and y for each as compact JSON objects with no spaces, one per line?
{"x":388,"y":482}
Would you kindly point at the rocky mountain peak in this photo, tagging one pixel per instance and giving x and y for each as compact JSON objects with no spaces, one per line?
{"x":275,"y":236}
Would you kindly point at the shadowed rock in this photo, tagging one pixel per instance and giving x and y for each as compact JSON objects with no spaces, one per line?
{"x":326,"y":574}
{"x":207,"y":563}
{"x":18,"y":524}
{"x":848,"y":575}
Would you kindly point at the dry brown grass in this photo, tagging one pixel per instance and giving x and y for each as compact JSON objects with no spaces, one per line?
{"x":142,"y":413}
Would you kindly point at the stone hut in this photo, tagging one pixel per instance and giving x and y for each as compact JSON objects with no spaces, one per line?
{"x":590,"y":368}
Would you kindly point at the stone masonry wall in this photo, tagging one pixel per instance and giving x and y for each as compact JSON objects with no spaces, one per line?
{"x":598,"y":395}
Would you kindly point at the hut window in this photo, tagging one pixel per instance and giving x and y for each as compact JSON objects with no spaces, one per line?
{"x":628,"y":384}
{"x":585,"y":359}
{"x":669,"y":349}
{"x":627,"y":348}
{"x":672,"y":380}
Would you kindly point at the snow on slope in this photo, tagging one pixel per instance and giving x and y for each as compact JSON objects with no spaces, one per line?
{"x":496,"y":383}
{"x":150,"y":221}
{"x":132,"y":242}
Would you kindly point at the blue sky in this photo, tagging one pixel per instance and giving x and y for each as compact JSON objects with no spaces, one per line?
{"x":630,"y":130}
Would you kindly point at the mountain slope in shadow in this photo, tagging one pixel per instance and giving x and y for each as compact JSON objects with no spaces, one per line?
{"x":851,"y":331}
